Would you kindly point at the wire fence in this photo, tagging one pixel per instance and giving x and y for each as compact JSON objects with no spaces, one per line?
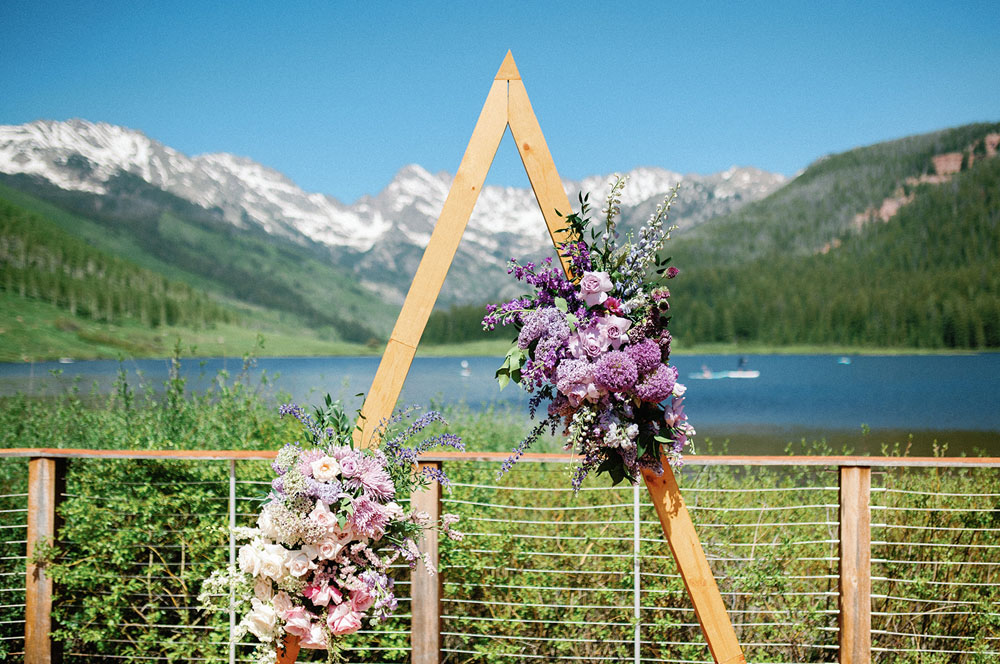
{"x":542,"y":574}
{"x":13,"y":559}
{"x":590,"y":577}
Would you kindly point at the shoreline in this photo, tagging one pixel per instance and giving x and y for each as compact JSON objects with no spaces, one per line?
{"x":475,"y":349}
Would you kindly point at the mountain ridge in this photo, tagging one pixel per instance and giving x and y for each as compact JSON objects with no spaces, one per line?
{"x":379,"y":233}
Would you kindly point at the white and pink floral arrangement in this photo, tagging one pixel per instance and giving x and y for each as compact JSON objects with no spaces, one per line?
{"x":316,"y":567}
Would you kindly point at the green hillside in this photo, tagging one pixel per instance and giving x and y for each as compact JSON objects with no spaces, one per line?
{"x":38,"y":260}
{"x":795,"y":269}
{"x":260,"y":276}
{"x":62,"y":297}
{"x":820,"y":204}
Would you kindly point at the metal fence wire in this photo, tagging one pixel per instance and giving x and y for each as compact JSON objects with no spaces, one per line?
{"x":13,"y":558}
{"x":546,"y":575}
{"x":541,"y":574}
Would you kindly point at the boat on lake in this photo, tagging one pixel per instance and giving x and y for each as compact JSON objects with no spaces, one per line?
{"x":708,"y":374}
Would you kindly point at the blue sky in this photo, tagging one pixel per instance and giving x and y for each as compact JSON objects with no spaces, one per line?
{"x":339,"y":95}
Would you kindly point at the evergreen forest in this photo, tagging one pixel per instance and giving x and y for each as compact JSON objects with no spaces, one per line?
{"x":40,"y":261}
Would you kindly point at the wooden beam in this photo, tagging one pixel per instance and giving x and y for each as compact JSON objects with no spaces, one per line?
{"x":855,"y":565}
{"x":692,"y":460}
{"x":693,"y":566}
{"x":434,"y":264}
{"x":508,"y":70}
{"x":538,"y":163}
{"x":46,"y":485}
{"x":288,"y":651}
{"x":425,"y":626}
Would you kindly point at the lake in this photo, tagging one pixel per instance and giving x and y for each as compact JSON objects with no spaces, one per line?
{"x":953,"y":398}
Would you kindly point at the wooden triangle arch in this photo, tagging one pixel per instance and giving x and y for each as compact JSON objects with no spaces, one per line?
{"x":507,"y":105}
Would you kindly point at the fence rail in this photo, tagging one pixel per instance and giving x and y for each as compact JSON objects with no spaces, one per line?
{"x":607,"y":556}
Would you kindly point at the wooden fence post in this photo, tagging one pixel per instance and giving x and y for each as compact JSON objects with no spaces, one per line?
{"x":46,"y":485}
{"x":425,"y":588}
{"x":855,"y":618}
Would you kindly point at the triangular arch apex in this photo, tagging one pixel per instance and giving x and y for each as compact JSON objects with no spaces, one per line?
{"x":506,"y":106}
{"x":508,"y":70}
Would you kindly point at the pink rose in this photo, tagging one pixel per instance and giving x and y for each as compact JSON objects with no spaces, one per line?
{"x":316,"y":638}
{"x":298,"y":621}
{"x":343,"y":620}
{"x":328,"y":549}
{"x":322,"y":594}
{"x":361,"y":600}
{"x":594,"y":287}
{"x":282,"y":602}
{"x":299,"y":563}
{"x":322,"y":516}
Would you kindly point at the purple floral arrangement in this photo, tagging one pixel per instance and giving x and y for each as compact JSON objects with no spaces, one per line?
{"x":316,"y":567}
{"x":594,"y":344}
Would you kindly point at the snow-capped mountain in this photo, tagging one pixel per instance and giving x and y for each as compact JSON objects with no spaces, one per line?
{"x":380,"y":237}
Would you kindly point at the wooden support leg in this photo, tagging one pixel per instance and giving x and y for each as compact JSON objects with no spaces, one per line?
{"x":693,"y":566}
{"x":288,"y":651}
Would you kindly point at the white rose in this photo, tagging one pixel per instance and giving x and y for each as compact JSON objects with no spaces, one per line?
{"x":325,"y":469}
{"x":250,"y":560}
{"x":267,"y":525}
{"x":261,"y":620}
{"x":262,"y":589}
{"x":299,"y":564}
{"x":273,"y":561}
{"x":311,"y":551}
{"x":679,"y":390}
{"x":282,"y":602}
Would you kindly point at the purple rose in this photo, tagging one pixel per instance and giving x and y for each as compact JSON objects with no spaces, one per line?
{"x":594,"y":287}
{"x":614,"y":328}
{"x":349,"y":466}
{"x":589,"y":342}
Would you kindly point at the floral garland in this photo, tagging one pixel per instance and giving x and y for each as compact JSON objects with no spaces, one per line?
{"x":596,"y":346}
{"x":317,"y":564}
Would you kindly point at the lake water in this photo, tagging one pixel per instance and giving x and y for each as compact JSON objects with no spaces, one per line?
{"x":954,"y":398}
